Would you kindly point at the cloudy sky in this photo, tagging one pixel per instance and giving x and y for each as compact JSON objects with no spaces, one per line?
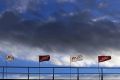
{"x":60,"y":28}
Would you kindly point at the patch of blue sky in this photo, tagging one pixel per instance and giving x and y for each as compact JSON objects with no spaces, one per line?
{"x":2,"y":6}
{"x":97,"y":13}
{"x":69,"y":8}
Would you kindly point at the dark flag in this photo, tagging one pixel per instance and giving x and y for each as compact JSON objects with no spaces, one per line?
{"x":9,"y":58}
{"x":103,"y":58}
{"x":44,"y":58}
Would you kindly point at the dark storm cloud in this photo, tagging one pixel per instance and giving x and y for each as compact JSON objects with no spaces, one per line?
{"x":77,"y":33}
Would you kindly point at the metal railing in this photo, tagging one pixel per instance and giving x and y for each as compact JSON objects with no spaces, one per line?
{"x":60,"y":73}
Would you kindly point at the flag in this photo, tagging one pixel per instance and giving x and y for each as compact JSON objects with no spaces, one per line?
{"x":44,"y":58}
{"x":76,"y":58}
{"x":9,"y":58}
{"x":103,"y":58}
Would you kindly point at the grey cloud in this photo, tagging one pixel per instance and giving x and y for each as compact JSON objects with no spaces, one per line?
{"x":77,"y":33}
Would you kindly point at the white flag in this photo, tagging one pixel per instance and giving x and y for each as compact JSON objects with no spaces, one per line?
{"x":9,"y":58}
{"x":76,"y":58}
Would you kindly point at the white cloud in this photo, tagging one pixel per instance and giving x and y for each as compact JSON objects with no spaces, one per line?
{"x":102,"y":5}
{"x":62,"y":59}
{"x":22,"y":76}
{"x":82,"y":76}
{"x":20,"y":51}
{"x":23,"y":5}
{"x":101,"y":18}
{"x":106,"y":17}
{"x":19,"y":5}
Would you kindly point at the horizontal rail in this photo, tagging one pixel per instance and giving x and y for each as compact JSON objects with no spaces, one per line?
{"x":59,"y":73}
{"x":60,"y":67}
{"x":24,"y":70}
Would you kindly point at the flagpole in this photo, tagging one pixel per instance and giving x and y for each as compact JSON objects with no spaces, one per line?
{"x":6,"y":69}
{"x":70,"y":67}
{"x":74,"y":59}
{"x":43,"y":58}
{"x":99,"y":69}
{"x":39,"y":70}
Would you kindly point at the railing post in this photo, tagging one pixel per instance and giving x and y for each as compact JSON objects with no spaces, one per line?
{"x":101,"y":73}
{"x":53,"y":73}
{"x":28,"y":73}
{"x":3,"y":71}
{"x":78,"y":73}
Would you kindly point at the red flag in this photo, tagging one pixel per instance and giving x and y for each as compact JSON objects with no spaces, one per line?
{"x":44,"y":58}
{"x":103,"y":58}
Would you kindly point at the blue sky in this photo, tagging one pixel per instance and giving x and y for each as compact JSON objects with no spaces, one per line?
{"x":59,"y":28}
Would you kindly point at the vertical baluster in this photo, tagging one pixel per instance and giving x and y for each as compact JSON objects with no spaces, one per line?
{"x":28,"y":73}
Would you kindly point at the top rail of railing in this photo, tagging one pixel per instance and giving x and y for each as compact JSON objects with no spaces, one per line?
{"x":58,"y":67}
